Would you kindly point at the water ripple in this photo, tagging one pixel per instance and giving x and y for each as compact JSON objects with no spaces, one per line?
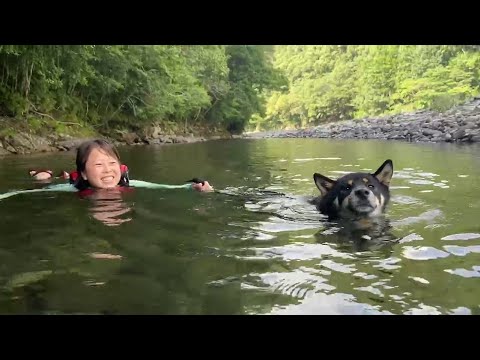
{"x":423,"y":253}
{"x":427,"y":216}
{"x":462,"y":250}
{"x":423,"y":310}
{"x":460,"y":311}
{"x":411,"y":237}
{"x":300,"y":251}
{"x":370,"y":289}
{"x":298,"y":283}
{"x":463,"y":236}
{"x":343,"y":268}
{"x":464,"y":272}
{"x":406,"y":200}
{"x":388,"y":264}
{"x":419,"y":279}
{"x":329,"y":304}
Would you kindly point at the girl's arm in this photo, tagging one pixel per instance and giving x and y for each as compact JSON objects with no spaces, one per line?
{"x":57,"y":187}
{"x":200,"y":186}
{"x":150,"y":185}
{"x":134,"y":183}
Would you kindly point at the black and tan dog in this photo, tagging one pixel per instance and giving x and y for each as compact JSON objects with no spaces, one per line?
{"x":354,"y":196}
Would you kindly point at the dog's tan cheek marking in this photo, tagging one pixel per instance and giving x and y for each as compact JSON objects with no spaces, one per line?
{"x":382,"y":200}
{"x":365,"y":180}
{"x":350,"y":182}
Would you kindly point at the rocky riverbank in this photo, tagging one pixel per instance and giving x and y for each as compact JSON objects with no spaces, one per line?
{"x":24,"y":141}
{"x":459,"y":124}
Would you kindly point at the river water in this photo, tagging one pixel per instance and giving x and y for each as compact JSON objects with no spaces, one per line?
{"x":255,"y":246}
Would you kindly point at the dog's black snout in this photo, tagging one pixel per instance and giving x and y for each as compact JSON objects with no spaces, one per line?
{"x":362,"y":193}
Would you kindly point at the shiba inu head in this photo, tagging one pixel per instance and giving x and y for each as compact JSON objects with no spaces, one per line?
{"x":355,"y":195}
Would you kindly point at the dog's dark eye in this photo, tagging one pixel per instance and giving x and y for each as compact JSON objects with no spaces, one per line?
{"x":371,"y":186}
{"x":348,"y":187}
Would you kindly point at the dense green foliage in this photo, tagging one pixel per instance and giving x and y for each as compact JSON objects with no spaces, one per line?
{"x":130,"y":86}
{"x":231,"y":87}
{"x":329,"y":83}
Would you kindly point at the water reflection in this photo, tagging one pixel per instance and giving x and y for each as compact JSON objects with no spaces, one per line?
{"x":108,"y":206}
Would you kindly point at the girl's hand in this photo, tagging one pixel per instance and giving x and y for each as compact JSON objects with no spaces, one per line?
{"x":202,"y":187}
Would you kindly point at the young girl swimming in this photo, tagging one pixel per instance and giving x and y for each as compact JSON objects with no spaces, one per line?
{"x":99,"y":167}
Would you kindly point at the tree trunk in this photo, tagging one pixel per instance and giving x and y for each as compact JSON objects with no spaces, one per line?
{"x":29,"y":79}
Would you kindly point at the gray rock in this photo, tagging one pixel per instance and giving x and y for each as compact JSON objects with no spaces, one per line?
{"x":72,"y":144}
{"x":3,"y":151}
{"x":460,"y":124}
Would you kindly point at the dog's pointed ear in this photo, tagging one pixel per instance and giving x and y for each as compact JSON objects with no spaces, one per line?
{"x":324,"y":184}
{"x":385,"y":172}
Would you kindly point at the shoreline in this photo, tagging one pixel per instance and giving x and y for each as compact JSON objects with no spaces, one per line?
{"x":23,"y":143}
{"x":460,"y":124}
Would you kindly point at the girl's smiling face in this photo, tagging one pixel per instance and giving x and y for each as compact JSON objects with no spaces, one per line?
{"x":102,"y":170}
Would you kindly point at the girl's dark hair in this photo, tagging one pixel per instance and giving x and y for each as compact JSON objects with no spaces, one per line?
{"x":83,"y":152}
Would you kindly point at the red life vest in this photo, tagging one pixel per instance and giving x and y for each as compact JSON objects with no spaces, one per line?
{"x":88,"y":192}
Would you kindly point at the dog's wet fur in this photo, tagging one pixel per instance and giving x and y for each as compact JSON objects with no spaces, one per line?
{"x":358,"y":236}
{"x":354,"y":196}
